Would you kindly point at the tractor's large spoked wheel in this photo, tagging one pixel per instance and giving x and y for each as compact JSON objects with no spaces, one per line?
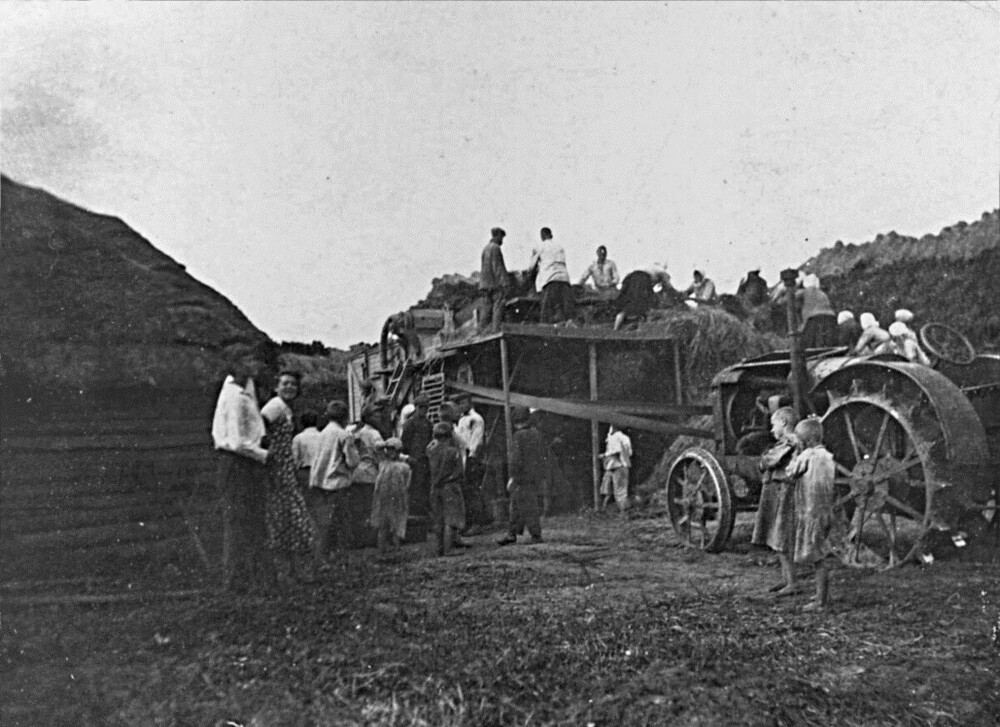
{"x":883,"y":483}
{"x":699,"y":501}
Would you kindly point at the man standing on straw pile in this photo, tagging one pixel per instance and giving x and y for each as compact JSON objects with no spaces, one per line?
{"x":493,"y":283}
{"x":552,"y":280}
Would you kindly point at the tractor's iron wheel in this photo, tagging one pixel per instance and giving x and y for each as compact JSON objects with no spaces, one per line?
{"x":884,"y":481}
{"x":699,"y":501}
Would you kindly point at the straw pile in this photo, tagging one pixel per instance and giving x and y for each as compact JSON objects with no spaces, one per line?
{"x":712,"y":339}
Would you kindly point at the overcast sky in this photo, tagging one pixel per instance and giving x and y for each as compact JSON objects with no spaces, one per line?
{"x":320,"y":163}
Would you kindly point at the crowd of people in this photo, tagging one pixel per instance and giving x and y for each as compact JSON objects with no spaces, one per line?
{"x":290,"y":500}
{"x":288,"y":497}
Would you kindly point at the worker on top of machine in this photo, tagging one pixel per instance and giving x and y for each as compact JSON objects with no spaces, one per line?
{"x":701,"y":291}
{"x":872,"y":336}
{"x":402,"y":326}
{"x":638,"y":293}
{"x":848,"y":329}
{"x":903,"y":342}
{"x":753,"y":290}
{"x":603,"y":272}
{"x":552,"y":279}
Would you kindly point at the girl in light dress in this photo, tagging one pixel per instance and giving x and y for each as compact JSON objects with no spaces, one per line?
{"x":813,"y":470}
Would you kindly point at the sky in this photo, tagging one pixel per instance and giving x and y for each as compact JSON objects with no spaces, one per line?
{"x":319,"y":163}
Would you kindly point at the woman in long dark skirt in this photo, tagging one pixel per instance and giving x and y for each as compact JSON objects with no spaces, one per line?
{"x":291,"y":534}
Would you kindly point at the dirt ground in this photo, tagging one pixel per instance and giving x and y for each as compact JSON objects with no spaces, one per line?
{"x":608,"y":622}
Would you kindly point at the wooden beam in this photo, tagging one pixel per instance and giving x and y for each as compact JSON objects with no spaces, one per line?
{"x":595,"y":440}
{"x":678,"y":376}
{"x":508,"y":422}
{"x":584,"y":410}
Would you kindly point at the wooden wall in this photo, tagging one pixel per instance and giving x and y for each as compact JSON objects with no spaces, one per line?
{"x":107,"y":485}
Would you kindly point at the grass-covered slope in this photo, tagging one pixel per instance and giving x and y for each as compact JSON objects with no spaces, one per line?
{"x":950,"y":277}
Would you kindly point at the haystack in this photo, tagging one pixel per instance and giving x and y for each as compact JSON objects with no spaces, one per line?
{"x":712,"y":339}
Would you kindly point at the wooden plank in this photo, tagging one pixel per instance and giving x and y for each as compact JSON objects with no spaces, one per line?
{"x":144,"y":443}
{"x":595,"y":441}
{"x":586,"y":333}
{"x":655,"y":409}
{"x":88,"y":537}
{"x":588,"y":411}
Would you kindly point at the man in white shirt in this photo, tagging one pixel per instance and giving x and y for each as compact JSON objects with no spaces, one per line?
{"x":471,"y":429}
{"x":305,"y":444}
{"x":330,"y":475}
{"x":602,"y":271}
{"x":237,"y":433}
{"x":552,"y":280}
{"x":617,"y":463}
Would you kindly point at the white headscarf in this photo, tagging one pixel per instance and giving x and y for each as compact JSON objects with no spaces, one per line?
{"x":868,"y":321}
{"x":810,"y":281}
{"x":844,"y":316}
{"x":904,"y":316}
{"x":898,"y":329}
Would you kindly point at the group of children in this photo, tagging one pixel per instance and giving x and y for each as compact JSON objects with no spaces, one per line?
{"x":390,"y":503}
{"x":796,"y":502}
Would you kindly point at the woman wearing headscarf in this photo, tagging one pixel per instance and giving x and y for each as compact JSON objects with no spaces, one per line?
{"x":819,"y":322}
{"x":291,"y":534}
{"x":904,"y":342}
{"x":873,"y":336}
{"x":848,"y":329}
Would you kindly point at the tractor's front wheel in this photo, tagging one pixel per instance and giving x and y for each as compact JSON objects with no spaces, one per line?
{"x":699,"y":502}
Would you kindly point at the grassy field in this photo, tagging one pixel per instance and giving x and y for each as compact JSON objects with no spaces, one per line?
{"x":609,"y":622}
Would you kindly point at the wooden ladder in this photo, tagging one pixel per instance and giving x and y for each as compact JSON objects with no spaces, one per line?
{"x":433,"y":388}
{"x":398,"y":374}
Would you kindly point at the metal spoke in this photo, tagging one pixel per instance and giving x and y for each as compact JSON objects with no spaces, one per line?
{"x":843,"y":501}
{"x":862,"y":519}
{"x":843,"y":470}
{"x":908,"y":509}
{"x":899,"y":469}
{"x":852,"y":437}
{"x":881,"y":435}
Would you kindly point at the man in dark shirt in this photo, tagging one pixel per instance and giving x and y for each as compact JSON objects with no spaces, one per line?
{"x":416,"y":435}
{"x":529,"y":465}
{"x":493,"y":283}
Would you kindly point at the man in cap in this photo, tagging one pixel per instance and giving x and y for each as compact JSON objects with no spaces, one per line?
{"x":529,"y":465}
{"x":416,"y":435}
{"x":494,"y":281}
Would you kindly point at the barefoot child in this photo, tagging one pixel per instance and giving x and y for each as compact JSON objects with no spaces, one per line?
{"x":814,"y":471}
{"x":775,"y":524}
{"x":391,"y":501}
{"x":447,"y":475}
